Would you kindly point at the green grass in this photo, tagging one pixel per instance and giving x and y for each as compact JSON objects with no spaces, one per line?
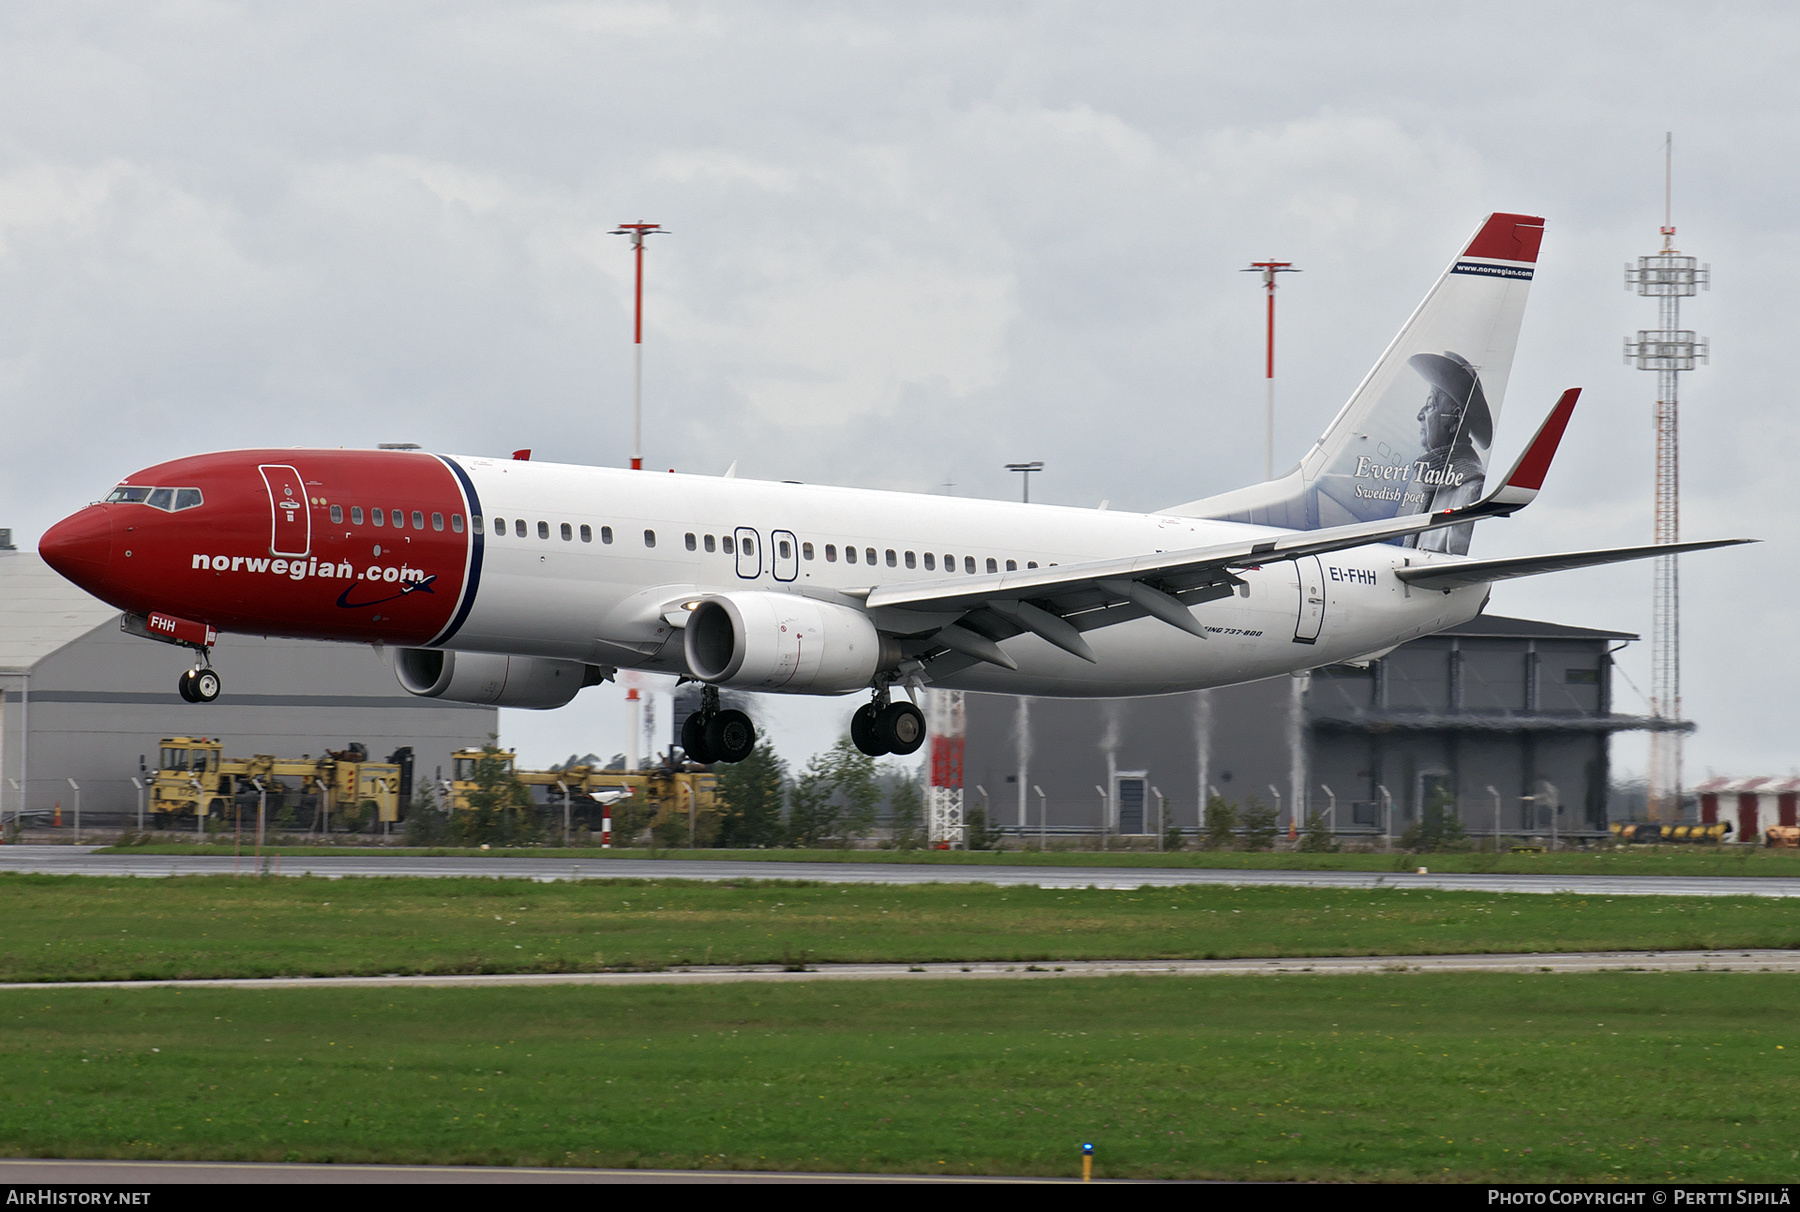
{"x":61,"y":928}
{"x":1625,"y":860}
{"x":1688,"y":1076}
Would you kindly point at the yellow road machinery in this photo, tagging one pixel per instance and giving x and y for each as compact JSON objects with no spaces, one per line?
{"x":660,"y":796}
{"x":194,"y":779}
{"x":1662,"y":835}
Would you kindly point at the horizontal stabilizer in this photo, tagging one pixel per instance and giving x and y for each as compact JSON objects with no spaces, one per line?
{"x":1480,"y":572}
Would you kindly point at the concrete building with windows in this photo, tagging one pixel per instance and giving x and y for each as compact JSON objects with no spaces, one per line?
{"x":84,"y":701}
{"x":1500,"y":720}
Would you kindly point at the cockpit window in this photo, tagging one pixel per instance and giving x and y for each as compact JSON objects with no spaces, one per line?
{"x":169,"y":500}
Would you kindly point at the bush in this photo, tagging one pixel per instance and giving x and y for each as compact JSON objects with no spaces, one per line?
{"x":1172,"y":838}
{"x":1316,"y":838}
{"x":426,"y":824}
{"x":749,"y":797}
{"x":1259,"y":826}
{"x":1221,"y":824}
{"x":500,"y":811}
{"x":978,"y":834}
{"x":908,"y":804}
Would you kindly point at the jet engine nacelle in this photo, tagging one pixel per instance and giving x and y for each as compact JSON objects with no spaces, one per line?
{"x":498,"y":681}
{"x":784,"y":642}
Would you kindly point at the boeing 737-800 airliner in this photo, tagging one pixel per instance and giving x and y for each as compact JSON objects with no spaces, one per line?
{"x":517,"y":583}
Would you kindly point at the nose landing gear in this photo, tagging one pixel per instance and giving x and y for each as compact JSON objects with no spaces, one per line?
{"x":710,"y":735}
{"x":882,"y":727}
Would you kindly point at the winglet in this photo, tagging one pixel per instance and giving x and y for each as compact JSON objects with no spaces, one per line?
{"x":1521,"y":485}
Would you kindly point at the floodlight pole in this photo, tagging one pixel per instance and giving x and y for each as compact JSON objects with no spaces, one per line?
{"x":1268,"y":270}
{"x":1025,"y":469}
{"x":77,"y":787}
{"x":140,"y":799}
{"x":637,"y":231}
{"x":1043,"y":814}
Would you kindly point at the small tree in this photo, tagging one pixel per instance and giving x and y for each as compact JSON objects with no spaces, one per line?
{"x":749,"y":797}
{"x":426,"y":824}
{"x":856,"y":790}
{"x":1259,"y":826}
{"x":1439,"y":826}
{"x":500,"y":811}
{"x":1316,"y":838}
{"x":1221,"y":824}
{"x":908,"y":804}
{"x":812,"y":810}
{"x":979,"y":833}
{"x":1173,"y":838}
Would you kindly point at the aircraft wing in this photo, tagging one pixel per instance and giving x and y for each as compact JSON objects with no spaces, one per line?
{"x":1477,"y":572}
{"x":1063,"y":600}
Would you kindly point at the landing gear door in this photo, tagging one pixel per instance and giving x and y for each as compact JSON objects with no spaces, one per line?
{"x":749,"y":557}
{"x":291,"y":533}
{"x":784,"y":556}
{"x":1311,"y":578}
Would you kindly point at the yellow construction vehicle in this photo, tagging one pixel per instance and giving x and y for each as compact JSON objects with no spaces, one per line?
{"x":195,"y":779}
{"x":590,"y":794}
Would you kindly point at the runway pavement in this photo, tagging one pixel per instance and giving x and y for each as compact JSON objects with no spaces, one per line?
{"x":1747,"y":960}
{"x":81,"y":860}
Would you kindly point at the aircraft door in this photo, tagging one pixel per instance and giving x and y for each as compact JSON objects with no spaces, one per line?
{"x":784,"y":558}
{"x":749,"y":559}
{"x":291,"y":529}
{"x":1310,"y":576}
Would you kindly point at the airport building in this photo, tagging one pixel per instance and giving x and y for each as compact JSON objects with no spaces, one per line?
{"x":1504,"y":721}
{"x":84,"y":701}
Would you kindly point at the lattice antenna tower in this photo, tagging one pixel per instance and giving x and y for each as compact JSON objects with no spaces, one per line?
{"x":944,"y":776}
{"x":1668,"y":349}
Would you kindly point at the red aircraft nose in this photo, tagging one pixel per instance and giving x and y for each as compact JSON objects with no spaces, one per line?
{"x":80,"y":546}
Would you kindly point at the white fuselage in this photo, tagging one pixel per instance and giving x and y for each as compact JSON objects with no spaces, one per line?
{"x":616,"y":603}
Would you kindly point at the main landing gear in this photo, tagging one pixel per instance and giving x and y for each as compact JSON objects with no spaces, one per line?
{"x":200,"y":684}
{"x":883,"y":727}
{"x":710,"y":735}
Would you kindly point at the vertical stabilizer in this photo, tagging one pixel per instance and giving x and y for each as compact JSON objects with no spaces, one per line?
{"x":1416,"y":433}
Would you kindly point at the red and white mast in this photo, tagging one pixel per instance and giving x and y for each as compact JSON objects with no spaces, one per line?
{"x":1268,"y":270}
{"x":637,"y":231}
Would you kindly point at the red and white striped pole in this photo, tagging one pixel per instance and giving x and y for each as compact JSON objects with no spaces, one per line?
{"x":1268,"y":270}
{"x":637,"y":231}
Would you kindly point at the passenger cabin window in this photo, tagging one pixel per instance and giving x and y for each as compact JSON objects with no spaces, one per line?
{"x":806,"y":551}
{"x":930,"y":562}
{"x":749,"y":546}
{"x":399,"y":516}
{"x":993,"y":565}
{"x":969,"y":564}
{"x":893,"y":561}
{"x":831,"y":553}
{"x":419,"y":520}
{"x":587,"y":533}
{"x":519,"y":527}
{"x":543,"y":530}
{"x":1031,"y":563}
{"x":475,"y":523}
{"x":377,"y":517}
{"x":726,"y":544}
{"x":869,"y":554}
{"x":606,"y":534}
{"x":949,"y":562}
{"x":499,"y":525}
{"x":356,"y":515}
{"x":785,"y":551}
{"x":456,"y":523}
{"x":337,"y":513}
{"x":849,"y":555}
{"x":437,"y":520}
{"x":692,"y":542}
{"x":912,"y":561}
{"x":1012,"y":566}
{"x":568,"y":533}
{"x":649,"y":538}
{"x":712,"y":544}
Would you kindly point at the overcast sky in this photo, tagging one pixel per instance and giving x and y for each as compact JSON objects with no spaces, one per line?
{"x":910,"y":243}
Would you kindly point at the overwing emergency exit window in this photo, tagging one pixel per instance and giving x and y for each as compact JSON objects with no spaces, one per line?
{"x":782,"y":548}
{"x":337,"y":513}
